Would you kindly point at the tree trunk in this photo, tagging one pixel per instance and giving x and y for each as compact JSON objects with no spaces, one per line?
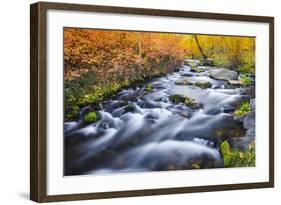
{"x":138,"y":71}
{"x":200,"y":48}
{"x":139,"y":45}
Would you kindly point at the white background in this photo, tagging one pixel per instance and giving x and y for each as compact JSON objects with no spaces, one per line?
{"x":14,"y":85}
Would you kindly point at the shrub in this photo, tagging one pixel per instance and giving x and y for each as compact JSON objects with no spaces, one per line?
{"x":246,"y":69}
{"x":243,"y":110}
{"x":148,"y":88}
{"x":245,"y":80}
{"x":73,"y":113}
{"x":236,"y":158}
{"x":220,"y":60}
{"x":90,"y":117}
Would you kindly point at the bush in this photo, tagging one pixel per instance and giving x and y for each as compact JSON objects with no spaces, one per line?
{"x":245,"y":80}
{"x":246,"y":69}
{"x":148,"y":88}
{"x":220,"y":60}
{"x":72,"y":113}
{"x":243,"y":110}
{"x":236,"y":158}
{"x":90,"y":117}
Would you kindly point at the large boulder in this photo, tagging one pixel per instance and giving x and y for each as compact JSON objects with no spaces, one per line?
{"x":223,"y":74}
{"x":249,"y":121}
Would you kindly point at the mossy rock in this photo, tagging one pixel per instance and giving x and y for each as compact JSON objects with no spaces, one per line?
{"x":189,"y":102}
{"x":90,"y":117}
{"x":177,"y":98}
{"x":203,"y":85}
{"x":197,"y":70}
{"x":183,"y":82}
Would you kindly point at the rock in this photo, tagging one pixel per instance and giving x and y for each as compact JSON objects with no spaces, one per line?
{"x":249,"y":121}
{"x":197,"y":70}
{"x":187,"y":74}
{"x":253,"y":103}
{"x":223,"y":74}
{"x":245,"y":142}
{"x":189,"y":102}
{"x":203,"y":85}
{"x":130,"y":108}
{"x":249,"y":92}
{"x":183,"y":82}
{"x":240,"y":118}
{"x":177,"y":98}
{"x":234,"y":82}
{"x":192,"y":62}
{"x":208,"y":62}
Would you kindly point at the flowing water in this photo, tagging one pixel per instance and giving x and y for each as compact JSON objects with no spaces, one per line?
{"x":139,"y":130}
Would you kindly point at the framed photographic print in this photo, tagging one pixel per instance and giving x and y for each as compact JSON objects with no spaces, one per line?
{"x":134,"y":102}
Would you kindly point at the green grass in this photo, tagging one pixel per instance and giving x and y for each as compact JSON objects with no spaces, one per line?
{"x":90,"y":117}
{"x":244,"y":109}
{"x":246,"y":69}
{"x":236,"y":158}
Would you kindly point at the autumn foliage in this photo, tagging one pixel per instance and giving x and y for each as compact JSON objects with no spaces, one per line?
{"x":119,"y":56}
{"x":98,"y":63}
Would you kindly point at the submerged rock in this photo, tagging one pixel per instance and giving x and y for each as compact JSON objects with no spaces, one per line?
{"x":223,"y":74}
{"x":183,"y":82}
